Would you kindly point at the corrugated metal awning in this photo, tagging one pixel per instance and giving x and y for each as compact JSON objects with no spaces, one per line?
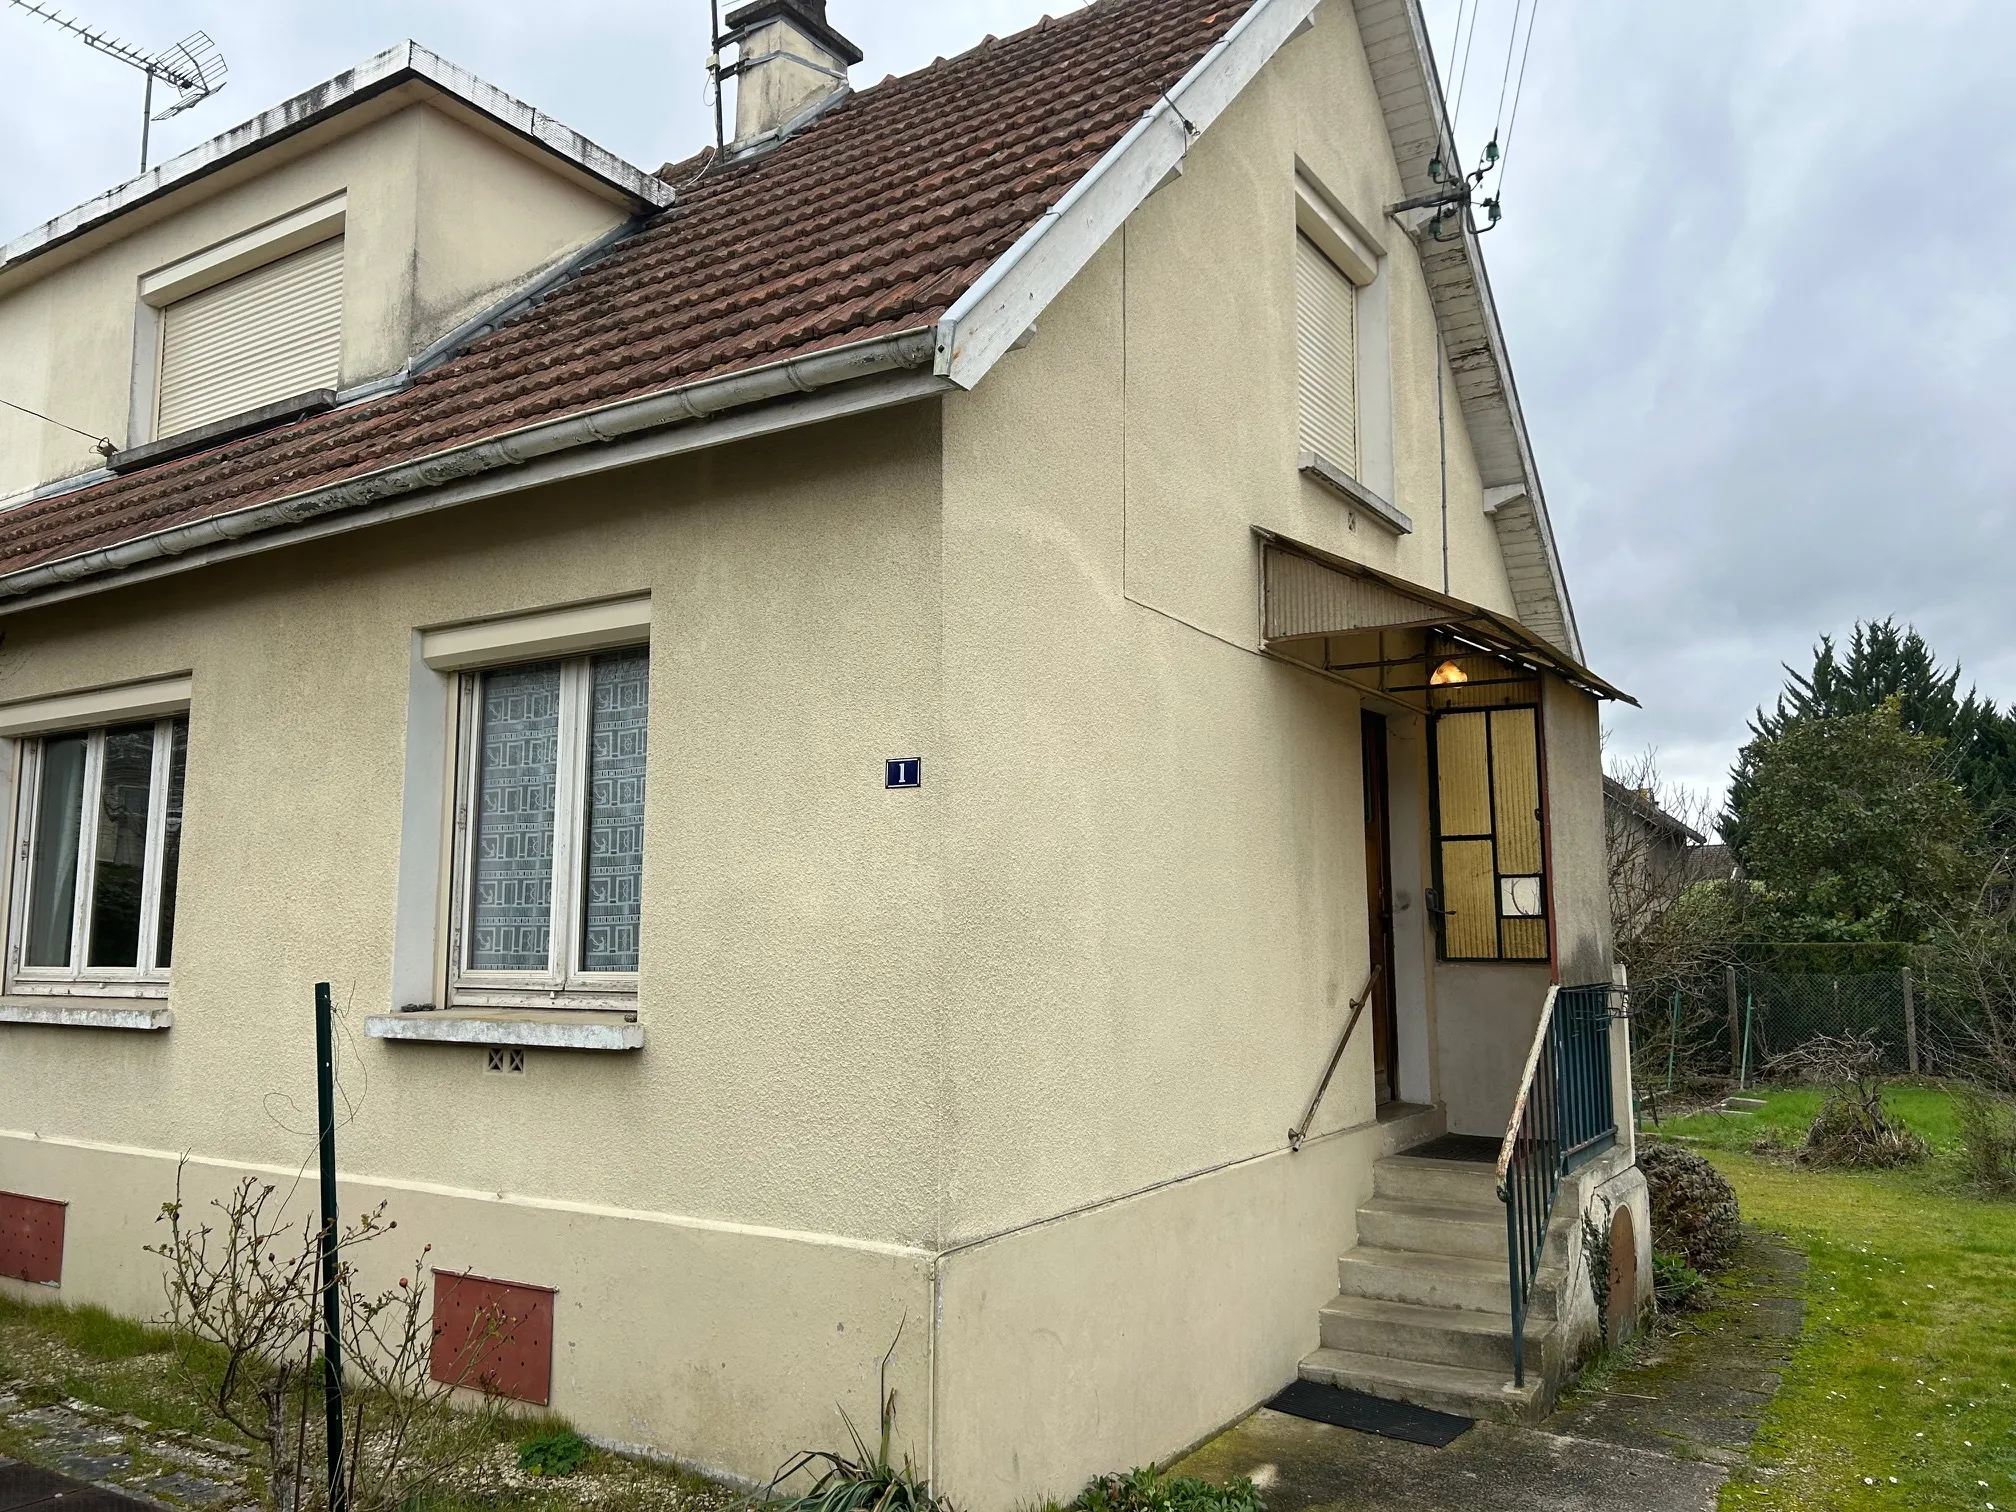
{"x":1307,"y":592}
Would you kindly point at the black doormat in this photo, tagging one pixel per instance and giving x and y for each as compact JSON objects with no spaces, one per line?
{"x":29,"y":1486}
{"x":1471,"y":1147}
{"x":1370,"y":1414}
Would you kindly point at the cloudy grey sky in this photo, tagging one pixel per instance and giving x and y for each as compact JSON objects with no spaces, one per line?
{"x":1754,"y":272}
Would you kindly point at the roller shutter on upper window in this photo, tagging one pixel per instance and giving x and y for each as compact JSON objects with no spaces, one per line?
{"x":1326,"y":330}
{"x":263,"y":336}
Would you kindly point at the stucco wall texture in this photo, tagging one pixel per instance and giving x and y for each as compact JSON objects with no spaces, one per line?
{"x":1008,"y":1060}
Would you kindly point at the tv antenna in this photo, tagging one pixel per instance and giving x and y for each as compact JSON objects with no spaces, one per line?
{"x":193,"y":66}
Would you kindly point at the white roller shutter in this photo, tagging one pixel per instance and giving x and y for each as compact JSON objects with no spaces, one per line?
{"x":266,"y":335}
{"x":1326,"y":329}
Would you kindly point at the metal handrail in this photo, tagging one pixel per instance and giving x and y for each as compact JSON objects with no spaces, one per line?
{"x":1301,"y":1131}
{"x":1511,"y":1141}
{"x":1563,"y":1115}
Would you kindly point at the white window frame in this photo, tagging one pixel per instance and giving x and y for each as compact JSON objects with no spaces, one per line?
{"x":1350,"y":245}
{"x":563,"y":984}
{"x":146,"y":979}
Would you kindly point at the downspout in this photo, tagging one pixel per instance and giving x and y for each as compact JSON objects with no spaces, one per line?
{"x":1442,"y":449}
{"x":1547,"y":832}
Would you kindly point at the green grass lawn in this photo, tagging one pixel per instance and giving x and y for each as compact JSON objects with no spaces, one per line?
{"x":1902,"y":1391}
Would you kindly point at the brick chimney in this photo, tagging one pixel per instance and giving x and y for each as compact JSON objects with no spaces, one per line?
{"x":789,"y":62}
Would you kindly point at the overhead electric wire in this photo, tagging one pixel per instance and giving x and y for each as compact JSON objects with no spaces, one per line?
{"x":52,"y":420}
{"x":1463,"y":69}
{"x":1518,"y":91}
{"x":1456,"y":33}
{"x":1511,"y":46}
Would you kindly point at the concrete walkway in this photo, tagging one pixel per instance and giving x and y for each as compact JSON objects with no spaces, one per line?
{"x":120,"y":1455}
{"x":1660,"y":1434}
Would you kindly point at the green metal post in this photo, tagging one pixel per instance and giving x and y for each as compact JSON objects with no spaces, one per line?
{"x":1749,"y":1003}
{"x":1673,"y":1040}
{"x":332,"y":1298}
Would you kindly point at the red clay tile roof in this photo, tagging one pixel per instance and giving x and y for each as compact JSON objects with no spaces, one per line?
{"x":872,"y":222}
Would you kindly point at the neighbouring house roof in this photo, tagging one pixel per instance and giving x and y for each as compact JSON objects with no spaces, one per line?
{"x":1649,"y":813}
{"x":919,"y":226}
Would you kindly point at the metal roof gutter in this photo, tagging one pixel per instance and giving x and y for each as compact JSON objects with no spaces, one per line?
{"x":844,"y":380}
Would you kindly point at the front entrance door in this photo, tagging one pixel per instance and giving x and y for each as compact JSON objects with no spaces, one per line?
{"x":1379,"y":909}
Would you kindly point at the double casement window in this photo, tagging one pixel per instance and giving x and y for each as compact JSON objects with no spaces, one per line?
{"x":550,"y":832}
{"x":1490,"y":858}
{"x":99,"y":839}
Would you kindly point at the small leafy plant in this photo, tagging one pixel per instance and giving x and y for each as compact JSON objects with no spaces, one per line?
{"x":866,"y":1480}
{"x":556,"y":1452}
{"x":1149,"y":1490}
{"x":1676,"y":1284}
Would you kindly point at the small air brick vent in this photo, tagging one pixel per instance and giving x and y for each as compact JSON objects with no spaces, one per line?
{"x":494,"y":1336}
{"x":31,"y":1239}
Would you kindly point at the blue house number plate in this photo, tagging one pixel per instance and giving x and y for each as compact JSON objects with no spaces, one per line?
{"x":903,"y":772}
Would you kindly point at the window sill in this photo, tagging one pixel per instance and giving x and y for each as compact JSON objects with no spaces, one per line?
{"x":217,"y":432}
{"x":88,"y":1013}
{"x":539,"y":1029}
{"x":1320,"y":468}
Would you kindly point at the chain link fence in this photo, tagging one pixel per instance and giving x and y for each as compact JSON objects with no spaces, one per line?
{"x":1726,"y":1030}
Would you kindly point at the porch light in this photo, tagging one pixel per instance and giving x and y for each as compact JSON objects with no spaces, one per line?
{"x":1448,"y":675}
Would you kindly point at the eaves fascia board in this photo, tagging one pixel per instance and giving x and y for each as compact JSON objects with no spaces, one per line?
{"x":991,"y":316}
{"x":1397,"y":30}
{"x":845,"y":380}
{"x":375,"y":76}
{"x":1495,"y":334}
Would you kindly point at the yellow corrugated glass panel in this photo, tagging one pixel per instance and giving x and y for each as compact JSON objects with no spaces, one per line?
{"x":1525,"y":939}
{"x":1470,"y":896}
{"x":1515,"y":781}
{"x":1463,"y":778}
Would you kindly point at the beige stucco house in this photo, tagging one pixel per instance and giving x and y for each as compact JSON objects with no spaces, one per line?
{"x":851,"y":720}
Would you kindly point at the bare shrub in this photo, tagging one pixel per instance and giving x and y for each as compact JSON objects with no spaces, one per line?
{"x":1852,"y":1129}
{"x":1987,"y":1141}
{"x":247,"y":1285}
{"x":1675,"y":915}
{"x":1970,"y":973}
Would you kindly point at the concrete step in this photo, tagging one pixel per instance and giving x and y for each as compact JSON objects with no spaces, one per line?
{"x":1425,"y":1335}
{"x":1445,"y":1388}
{"x":1452,"y":1183}
{"x":1401,"y":1223}
{"x":1430,"y":1280}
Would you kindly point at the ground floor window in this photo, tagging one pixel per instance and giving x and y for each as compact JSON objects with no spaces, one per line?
{"x":99,"y":827}
{"x":550,"y":831}
{"x":1490,"y":859}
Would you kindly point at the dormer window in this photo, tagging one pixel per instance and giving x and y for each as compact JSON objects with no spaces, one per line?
{"x":254,"y":322}
{"x":263,"y":336}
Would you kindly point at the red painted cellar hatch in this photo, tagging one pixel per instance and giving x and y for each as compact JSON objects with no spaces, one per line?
{"x":506,"y":1326}
{"x":31,"y":1238}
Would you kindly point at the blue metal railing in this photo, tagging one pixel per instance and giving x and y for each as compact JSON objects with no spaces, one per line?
{"x":1564,"y":1114}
